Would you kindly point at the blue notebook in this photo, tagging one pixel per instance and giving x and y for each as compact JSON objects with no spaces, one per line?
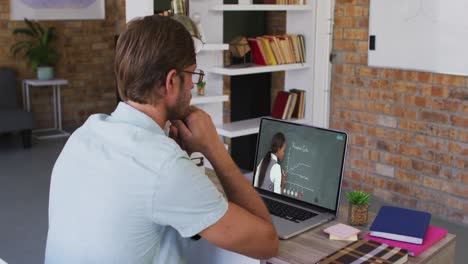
{"x":400,"y":224}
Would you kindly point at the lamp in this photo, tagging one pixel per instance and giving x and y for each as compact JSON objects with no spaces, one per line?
{"x":179,"y":14}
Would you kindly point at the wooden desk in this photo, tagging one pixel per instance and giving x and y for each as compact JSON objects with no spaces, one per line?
{"x":312,"y":245}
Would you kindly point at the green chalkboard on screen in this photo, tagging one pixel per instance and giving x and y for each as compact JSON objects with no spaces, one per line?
{"x":313,"y":160}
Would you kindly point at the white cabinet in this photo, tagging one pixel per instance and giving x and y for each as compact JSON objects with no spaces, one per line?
{"x":314,"y":21}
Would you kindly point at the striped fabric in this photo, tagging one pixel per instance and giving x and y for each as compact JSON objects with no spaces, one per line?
{"x":365,"y":252}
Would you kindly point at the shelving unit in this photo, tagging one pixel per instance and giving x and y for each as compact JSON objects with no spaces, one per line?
{"x":312,"y":20}
{"x":209,"y":97}
{"x":214,"y":47}
{"x":257,"y":69}
{"x":239,"y":128}
{"x":244,"y":127}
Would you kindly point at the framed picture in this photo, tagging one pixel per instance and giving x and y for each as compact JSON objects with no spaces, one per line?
{"x":57,"y":9}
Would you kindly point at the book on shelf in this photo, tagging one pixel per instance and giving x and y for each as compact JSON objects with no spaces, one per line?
{"x":267,"y":50}
{"x":289,"y":105}
{"x":295,"y":112}
{"x":291,"y":48}
{"x":400,"y":224}
{"x":298,"y":111}
{"x":280,"y":104}
{"x":433,"y":235}
{"x":274,"y":43}
{"x":288,"y":102}
{"x":367,"y":251}
{"x":274,"y":50}
{"x":296,"y":47}
{"x":257,"y":54}
{"x":286,"y":49}
{"x":302,"y":43}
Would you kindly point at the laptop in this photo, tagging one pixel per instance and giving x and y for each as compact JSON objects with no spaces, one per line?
{"x":300,"y":182}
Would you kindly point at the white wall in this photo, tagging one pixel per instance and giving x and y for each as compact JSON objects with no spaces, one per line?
{"x":136,"y":8}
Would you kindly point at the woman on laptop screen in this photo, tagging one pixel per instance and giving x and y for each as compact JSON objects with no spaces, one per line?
{"x":270,"y":167}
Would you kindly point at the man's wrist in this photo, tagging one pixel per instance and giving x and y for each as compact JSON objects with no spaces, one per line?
{"x":214,"y":150}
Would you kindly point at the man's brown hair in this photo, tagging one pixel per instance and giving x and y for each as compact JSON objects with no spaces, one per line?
{"x":146,"y":51}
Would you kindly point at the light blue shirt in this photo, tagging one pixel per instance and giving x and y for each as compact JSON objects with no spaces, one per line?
{"x":123,"y":192}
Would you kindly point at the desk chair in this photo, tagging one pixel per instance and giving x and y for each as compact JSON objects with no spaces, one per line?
{"x":12,"y":117}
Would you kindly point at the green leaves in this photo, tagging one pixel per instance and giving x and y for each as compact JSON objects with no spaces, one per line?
{"x":201,"y":84}
{"x":358,"y":197}
{"x":24,"y":31}
{"x":37,"y":50}
{"x":20,"y":46}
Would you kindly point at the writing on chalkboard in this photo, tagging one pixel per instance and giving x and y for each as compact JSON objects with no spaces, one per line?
{"x":302,"y":148}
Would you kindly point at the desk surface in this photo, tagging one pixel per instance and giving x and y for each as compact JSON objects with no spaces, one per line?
{"x":314,"y":244}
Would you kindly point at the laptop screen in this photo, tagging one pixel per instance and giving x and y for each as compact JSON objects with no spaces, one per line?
{"x":301,"y":162}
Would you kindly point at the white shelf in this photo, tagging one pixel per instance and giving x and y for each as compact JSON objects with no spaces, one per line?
{"x":208,"y":98}
{"x":258,"y":69}
{"x":244,"y":127}
{"x":239,"y":128}
{"x":214,"y":47}
{"x":261,"y":8}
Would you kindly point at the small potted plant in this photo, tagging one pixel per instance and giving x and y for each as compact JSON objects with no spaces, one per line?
{"x":201,"y":88}
{"x":37,"y":48}
{"x":358,"y":207}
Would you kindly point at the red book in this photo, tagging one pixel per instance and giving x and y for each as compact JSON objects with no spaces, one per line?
{"x":257,"y":56}
{"x":280,"y":104}
{"x":433,"y":234}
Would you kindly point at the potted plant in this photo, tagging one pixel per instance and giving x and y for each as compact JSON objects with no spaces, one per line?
{"x":201,"y":88}
{"x":37,"y":48}
{"x":358,"y":207}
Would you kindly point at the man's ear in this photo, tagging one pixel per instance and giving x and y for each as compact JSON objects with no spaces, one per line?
{"x":171,"y":81}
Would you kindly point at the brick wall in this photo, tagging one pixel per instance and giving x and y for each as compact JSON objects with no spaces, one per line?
{"x":86,"y":49}
{"x":408,"y":130}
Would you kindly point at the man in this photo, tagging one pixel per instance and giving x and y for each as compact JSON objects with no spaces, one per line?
{"x":124,"y":192}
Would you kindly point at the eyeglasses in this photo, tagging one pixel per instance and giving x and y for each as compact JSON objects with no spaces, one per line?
{"x":197,"y":75}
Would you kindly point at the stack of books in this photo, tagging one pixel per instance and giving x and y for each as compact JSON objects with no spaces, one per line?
{"x":405,"y":228}
{"x":289,"y":104}
{"x":274,"y":50}
{"x":366,"y":251}
{"x":342,"y":232}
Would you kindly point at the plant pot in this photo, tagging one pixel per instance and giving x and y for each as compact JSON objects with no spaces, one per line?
{"x":357,"y":214}
{"x":45,"y":73}
{"x":200,"y":90}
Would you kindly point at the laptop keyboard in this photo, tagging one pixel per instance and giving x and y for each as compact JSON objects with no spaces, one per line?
{"x":286,"y":211}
